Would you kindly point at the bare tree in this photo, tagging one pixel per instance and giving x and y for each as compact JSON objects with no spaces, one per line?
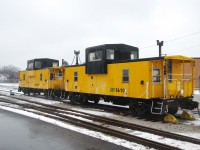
{"x":10,"y":72}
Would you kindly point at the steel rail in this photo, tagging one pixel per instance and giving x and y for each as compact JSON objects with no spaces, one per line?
{"x":122,"y":123}
{"x":119,"y":123}
{"x":95,"y":127}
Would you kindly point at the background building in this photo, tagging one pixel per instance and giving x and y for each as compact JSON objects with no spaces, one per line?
{"x":197,"y":73}
{"x":2,"y":77}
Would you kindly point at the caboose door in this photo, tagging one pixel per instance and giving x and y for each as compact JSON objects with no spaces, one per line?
{"x":178,"y":78}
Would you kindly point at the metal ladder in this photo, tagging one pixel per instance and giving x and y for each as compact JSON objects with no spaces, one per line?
{"x":154,"y":108}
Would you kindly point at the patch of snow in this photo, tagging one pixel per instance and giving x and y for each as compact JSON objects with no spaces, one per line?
{"x":175,"y":143}
{"x":10,"y":84}
{"x":111,"y":104}
{"x":94,"y":134}
{"x":44,"y":101}
{"x":95,"y":112}
{"x":195,"y":122}
{"x":196,"y":92}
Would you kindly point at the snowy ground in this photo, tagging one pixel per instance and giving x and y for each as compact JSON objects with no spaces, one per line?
{"x":188,"y":128}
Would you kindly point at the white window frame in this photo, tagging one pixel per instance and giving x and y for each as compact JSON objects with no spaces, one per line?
{"x":157,"y":78}
{"x":38,"y":63}
{"x":110,"y":54}
{"x":94,"y":57}
{"x":30,"y":66}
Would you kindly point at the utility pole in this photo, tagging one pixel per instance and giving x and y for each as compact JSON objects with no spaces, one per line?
{"x":76,"y":54}
{"x":160,"y":44}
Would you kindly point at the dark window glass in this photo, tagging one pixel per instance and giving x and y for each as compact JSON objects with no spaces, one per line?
{"x":110,"y":54}
{"x":170,"y":71}
{"x":30,"y":66}
{"x":51,"y":76}
{"x":125,"y":75}
{"x":133,"y":55}
{"x":40,"y":76}
{"x":75,"y":76}
{"x":38,"y":65}
{"x":95,"y":56}
{"x":24,"y":77}
{"x":60,"y":73}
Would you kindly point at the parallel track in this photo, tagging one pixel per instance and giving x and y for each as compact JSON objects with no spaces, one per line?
{"x":56,"y":111}
{"x":91,"y":126}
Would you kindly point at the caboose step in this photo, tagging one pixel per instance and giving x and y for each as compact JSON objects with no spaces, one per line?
{"x":156,"y":107}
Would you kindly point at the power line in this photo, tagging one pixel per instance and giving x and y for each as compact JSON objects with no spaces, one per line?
{"x":181,"y":37}
{"x":186,"y":49}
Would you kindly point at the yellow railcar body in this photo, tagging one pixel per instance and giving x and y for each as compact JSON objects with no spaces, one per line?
{"x":148,"y":79}
{"x":110,"y":83}
{"x":41,"y":79}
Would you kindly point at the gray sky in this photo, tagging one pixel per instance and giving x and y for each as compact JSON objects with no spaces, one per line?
{"x":55,"y":28}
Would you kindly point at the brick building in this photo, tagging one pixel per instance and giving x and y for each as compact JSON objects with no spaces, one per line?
{"x":187,"y":70}
{"x":197,"y":73}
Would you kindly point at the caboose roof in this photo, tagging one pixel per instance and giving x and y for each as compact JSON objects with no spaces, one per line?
{"x":179,"y":57}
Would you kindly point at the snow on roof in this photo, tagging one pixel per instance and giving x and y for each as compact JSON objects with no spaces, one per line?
{"x":2,"y":77}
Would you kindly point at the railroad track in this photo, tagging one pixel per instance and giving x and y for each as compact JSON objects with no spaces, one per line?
{"x":60,"y":114}
{"x":109,"y":108}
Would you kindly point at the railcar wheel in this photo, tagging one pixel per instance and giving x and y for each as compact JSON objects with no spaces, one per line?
{"x":132,"y":107}
{"x":139,"y":108}
{"x":172,"y":107}
{"x":96,"y":101}
{"x":71,"y":98}
{"x":172,"y":110}
{"x":65,"y":95}
{"x":85,"y":99}
{"x":25,"y":91}
{"x":53,"y":94}
{"x":28,"y":92}
{"x":76,"y":98}
{"x":46,"y":94}
{"x":94,"y":98}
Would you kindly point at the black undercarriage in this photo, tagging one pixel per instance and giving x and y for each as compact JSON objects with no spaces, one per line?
{"x":138,"y":107}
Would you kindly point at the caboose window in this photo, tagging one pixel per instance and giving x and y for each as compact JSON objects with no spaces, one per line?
{"x":110,"y":54}
{"x":51,"y":76}
{"x":38,"y":65}
{"x":95,"y":56}
{"x":40,"y":76}
{"x":75,"y":76}
{"x":24,"y":77}
{"x":156,"y":75}
{"x":133,"y":55}
{"x":125,"y":75}
{"x":55,"y":64}
{"x":60,"y":73}
{"x":30,"y":66}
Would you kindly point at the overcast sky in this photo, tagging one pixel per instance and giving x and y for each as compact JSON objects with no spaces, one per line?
{"x":55,"y":28}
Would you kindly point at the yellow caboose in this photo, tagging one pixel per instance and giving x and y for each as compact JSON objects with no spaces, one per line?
{"x":42,"y":76}
{"x":114,"y":73}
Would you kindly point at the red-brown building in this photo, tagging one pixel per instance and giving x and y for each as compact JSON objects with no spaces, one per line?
{"x":187,"y":69}
{"x":197,"y":73}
